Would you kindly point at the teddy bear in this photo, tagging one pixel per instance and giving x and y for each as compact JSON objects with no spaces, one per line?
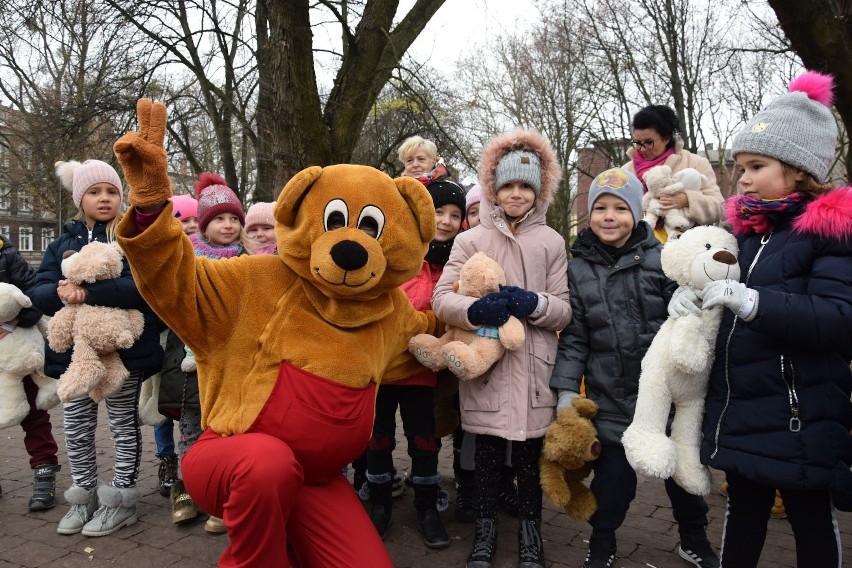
{"x":290,"y":349}
{"x":21,"y":354}
{"x":676,"y":367}
{"x":469,"y":354}
{"x":570,"y":448}
{"x":660,"y":181}
{"x":94,"y":332}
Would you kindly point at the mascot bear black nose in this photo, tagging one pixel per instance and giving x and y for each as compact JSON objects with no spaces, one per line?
{"x":349,"y":255}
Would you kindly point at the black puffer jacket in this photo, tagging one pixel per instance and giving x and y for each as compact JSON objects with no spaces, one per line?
{"x":145,"y":355}
{"x":178,"y":390}
{"x":777,"y":410}
{"x":619,"y":305}
{"x":17,"y":271}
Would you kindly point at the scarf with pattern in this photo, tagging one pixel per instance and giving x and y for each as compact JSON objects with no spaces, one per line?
{"x":203,"y":248}
{"x":761,"y":215}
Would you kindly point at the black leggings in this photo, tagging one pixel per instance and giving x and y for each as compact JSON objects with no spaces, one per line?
{"x":490,"y":456}
{"x":811,"y":515}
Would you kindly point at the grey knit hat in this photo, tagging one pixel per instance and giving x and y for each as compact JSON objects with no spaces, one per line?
{"x":797,"y":128}
{"x":519,"y":165}
{"x":622,"y":184}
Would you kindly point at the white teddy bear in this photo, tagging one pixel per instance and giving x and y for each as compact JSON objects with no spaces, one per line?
{"x":660,"y":181}
{"x":21,"y":354}
{"x":676,"y":367}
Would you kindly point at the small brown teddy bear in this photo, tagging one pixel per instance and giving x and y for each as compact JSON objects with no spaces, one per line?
{"x":570,"y":447}
{"x":469,"y":354}
{"x":94,"y":332}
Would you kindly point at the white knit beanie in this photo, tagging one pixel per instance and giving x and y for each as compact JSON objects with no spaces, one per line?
{"x":77,"y":177}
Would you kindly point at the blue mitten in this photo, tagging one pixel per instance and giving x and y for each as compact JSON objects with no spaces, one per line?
{"x":521,"y":302}
{"x":489,"y":310}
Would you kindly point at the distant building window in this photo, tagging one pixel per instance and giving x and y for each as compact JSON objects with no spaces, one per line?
{"x":5,"y":200}
{"x":25,"y":203}
{"x":4,"y":230}
{"x":25,"y":239}
{"x":47,"y":234}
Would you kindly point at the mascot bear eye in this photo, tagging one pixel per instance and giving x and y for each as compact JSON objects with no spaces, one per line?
{"x":336,"y":215}
{"x":371,"y":221}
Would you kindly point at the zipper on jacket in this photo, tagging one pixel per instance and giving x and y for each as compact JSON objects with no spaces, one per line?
{"x":763,"y":241}
{"x":792,"y":395}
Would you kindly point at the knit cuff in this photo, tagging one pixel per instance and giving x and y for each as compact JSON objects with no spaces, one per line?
{"x":748,"y":309}
{"x":540,"y":307}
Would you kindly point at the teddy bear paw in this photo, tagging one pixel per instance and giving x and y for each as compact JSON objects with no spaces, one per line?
{"x":457,"y":366}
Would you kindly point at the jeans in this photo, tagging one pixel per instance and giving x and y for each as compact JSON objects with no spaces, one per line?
{"x":165,"y":439}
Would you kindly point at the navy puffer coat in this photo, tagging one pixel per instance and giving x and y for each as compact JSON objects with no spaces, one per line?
{"x":778,"y":408}
{"x":145,"y":355}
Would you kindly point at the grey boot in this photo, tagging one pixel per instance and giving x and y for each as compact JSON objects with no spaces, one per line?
{"x":83,"y":504}
{"x":117,"y":510}
{"x":44,"y":487}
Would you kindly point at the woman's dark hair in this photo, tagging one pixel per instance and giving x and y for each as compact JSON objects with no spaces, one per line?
{"x":659,"y":117}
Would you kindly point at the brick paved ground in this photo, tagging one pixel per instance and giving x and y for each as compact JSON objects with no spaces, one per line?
{"x":647,"y":539}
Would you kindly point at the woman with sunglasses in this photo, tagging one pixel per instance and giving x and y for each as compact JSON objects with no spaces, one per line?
{"x":656,"y":141}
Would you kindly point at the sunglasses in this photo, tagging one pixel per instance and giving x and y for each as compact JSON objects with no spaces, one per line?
{"x":639,"y":145}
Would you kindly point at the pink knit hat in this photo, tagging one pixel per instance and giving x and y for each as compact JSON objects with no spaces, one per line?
{"x":214,"y":198}
{"x":260,"y":214}
{"x":184,"y":206}
{"x":474,"y":196}
{"x":77,"y":177}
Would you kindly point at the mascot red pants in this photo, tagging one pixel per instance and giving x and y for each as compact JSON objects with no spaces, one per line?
{"x":279,"y":487}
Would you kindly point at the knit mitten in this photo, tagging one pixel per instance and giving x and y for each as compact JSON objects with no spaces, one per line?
{"x":521,"y":302}
{"x":143,"y":158}
{"x":490,"y":310}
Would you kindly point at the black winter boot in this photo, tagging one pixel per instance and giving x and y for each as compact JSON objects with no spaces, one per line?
{"x":484,"y":544}
{"x":167,"y":475}
{"x":44,"y":487}
{"x":464,"y":496}
{"x":530,"y":551}
{"x":382,"y":506}
{"x":428,"y":519}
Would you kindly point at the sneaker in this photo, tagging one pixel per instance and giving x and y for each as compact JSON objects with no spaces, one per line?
{"x":778,"y":511}
{"x":695,"y":548}
{"x":215,"y":525}
{"x":117,"y":510}
{"x":44,"y":488}
{"x":167,"y":475}
{"x":601,"y":553}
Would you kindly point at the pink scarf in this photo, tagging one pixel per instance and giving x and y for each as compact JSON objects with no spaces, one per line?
{"x":641,"y":165}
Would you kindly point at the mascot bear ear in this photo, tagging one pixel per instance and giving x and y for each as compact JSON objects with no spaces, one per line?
{"x":420,"y":203}
{"x":293,"y":193}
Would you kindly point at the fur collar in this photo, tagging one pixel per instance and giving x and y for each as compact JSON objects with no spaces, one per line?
{"x":520,"y":139}
{"x":829,"y":216}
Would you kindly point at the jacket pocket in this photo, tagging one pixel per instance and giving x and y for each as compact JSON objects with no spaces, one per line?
{"x":481,"y":395}
{"x":541,"y":395}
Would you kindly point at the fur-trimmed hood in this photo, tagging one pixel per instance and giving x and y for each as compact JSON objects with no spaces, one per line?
{"x":829,"y":216}
{"x":520,"y":139}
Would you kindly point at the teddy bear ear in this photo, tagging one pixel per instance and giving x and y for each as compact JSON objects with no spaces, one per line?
{"x":291,"y":196}
{"x":420,"y":203}
{"x":21,"y":298}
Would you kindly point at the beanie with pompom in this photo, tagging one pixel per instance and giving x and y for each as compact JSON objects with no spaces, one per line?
{"x":214,"y":198}
{"x":797,"y":128}
{"x":77,"y":177}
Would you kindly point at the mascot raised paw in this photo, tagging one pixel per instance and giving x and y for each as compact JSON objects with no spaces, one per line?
{"x":570,"y":448}
{"x":21,"y":354}
{"x":94,"y":333}
{"x":289,"y":348}
{"x":469,"y":354}
{"x":676,"y":367}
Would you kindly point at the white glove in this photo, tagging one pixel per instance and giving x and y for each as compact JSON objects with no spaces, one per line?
{"x":565,"y":399}
{"x":733,"y":295}
{"x":684,"y":302}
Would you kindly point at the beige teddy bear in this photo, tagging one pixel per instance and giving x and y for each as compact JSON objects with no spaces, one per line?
{"x":676,"y":367}
{"x":21,"y":354}
{"x":570,"y":446}
{"x":469,"y":354}
{"x":660,"y":181}
{"x":94,"y":332}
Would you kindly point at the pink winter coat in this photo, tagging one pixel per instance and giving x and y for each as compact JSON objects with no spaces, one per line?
{"x":513,"y":399}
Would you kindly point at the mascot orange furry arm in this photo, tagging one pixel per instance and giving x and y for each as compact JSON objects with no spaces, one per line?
{"x":289,"y":348}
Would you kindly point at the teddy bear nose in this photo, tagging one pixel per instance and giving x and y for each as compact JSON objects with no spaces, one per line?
{"x":725,"y":257}
{"x":349,"y":255}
